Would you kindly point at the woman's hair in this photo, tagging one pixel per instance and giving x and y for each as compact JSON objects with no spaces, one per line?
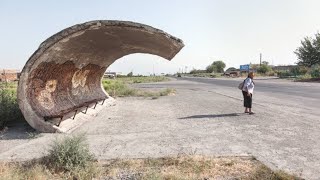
{"x":250,"y":74}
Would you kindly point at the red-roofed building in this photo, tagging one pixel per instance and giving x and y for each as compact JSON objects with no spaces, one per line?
{"x":7,"y":75}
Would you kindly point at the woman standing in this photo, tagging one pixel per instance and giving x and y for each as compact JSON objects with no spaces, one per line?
{"x":247,"y":92}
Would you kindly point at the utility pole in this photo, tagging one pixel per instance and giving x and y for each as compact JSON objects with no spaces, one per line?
{"x":153,"y":70}
{"x":260,"y":59}
{"x":5,"y":77}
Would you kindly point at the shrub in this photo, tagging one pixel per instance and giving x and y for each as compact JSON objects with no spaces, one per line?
{"x":9,"y":108}
{"x":68,"y":159}
{"x":263,"y":69}
{"x":210,"y":69}
{"x":213,"y":75}
{"x":166,"y":92}
{"x":315,"y":71}
{"x":130,"y":74}
{"x":197,"y":71}
{"x":117,"y":88}
{"x":216,"y":66}
{"x":70,"y":154}
{"x":303,"y":70}
{"x":298,"y":70}
{"x":271,"y":73}
{"x":305,"y":77}
{"x":120,"y":87}
{"x":284,"y":74}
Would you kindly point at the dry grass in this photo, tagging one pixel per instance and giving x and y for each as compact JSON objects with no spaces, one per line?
{"x":183,"y":167}
{"x":15,"y":171}
{"x":195,"y":167}
{"x":155,"y":94}
{"x":40,"y":171}
{"x":143,"y":79}
{"x":68,"y":158}
{"x":121,"y":88}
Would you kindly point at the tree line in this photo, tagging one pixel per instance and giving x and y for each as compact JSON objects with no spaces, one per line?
{"x":308,"y":55}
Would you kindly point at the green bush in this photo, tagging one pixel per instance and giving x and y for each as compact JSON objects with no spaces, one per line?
{"x":141,"y":79}
{"x":117,"y":88}
{"x":9,"y":108}
{"x":120,"y":88}
{"x":130,"y":74}
{"x":271,"y":73}
{"x":284,"y":74}
{"x":213,"y":75}
{"x":263,"y":69}
{"x":166,"y":92}
{"x":68,"y":158}
{"x":70,"y":154}
{"x":306,"y":77}
{"x":298,"y":70}
{"x":303,"y":70}
{"x":197,"y":71}
{"x":315,"y":71}
{"x":216,"y":66}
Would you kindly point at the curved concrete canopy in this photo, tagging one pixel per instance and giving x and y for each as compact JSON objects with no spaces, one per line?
{"x":64,"y":74}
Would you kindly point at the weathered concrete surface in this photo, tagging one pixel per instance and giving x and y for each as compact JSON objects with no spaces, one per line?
{"x":65,"y":73}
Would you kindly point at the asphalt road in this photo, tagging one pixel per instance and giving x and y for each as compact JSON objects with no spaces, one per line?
{"x":204,"y":117}
{"x":272,"y":85}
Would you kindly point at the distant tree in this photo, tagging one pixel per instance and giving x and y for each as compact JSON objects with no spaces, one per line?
{"x":210,"y":69}
{"x":315,"y":71}
{"x":197,"y":71}
{"x":309,"y":52}
{"x":193,"y":71}
{"x":219,"y":66}
{"x":265,"y":62}
{"x":299,"y":70}
{"x":130,"y":74}
{"x":254,"y":66}
{"x":216,"y":66}
{"x":263,"y":69}
{"x":231,"y":69}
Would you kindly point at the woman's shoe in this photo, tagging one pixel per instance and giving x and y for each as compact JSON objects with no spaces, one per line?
{"x":251,"y":113}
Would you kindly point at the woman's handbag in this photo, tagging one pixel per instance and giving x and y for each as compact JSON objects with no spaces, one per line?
{"x":240,"y":86}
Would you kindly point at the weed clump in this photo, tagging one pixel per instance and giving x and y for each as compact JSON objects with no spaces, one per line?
{"x":70,"y":154}
{"x":121,"y":88}
{"x":9,"y":108}
{"x":68,"y":158}
{"x":118,"y":88}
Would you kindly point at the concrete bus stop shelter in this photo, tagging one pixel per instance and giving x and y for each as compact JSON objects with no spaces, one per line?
{"x":60,"y":85}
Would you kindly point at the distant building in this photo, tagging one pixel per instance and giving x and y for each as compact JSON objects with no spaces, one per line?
{"x":233,"y":72}
{"x":111,"y":75}
{"x":284,"y":68}
{"x":7,"y":75}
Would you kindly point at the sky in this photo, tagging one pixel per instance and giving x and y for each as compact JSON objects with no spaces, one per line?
{"x":234,"y":31}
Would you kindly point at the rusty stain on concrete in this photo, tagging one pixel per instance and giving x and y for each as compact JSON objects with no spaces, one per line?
{"x":79,"y":82}
{"x":44,"y":98}
{"x":64,"y":74}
